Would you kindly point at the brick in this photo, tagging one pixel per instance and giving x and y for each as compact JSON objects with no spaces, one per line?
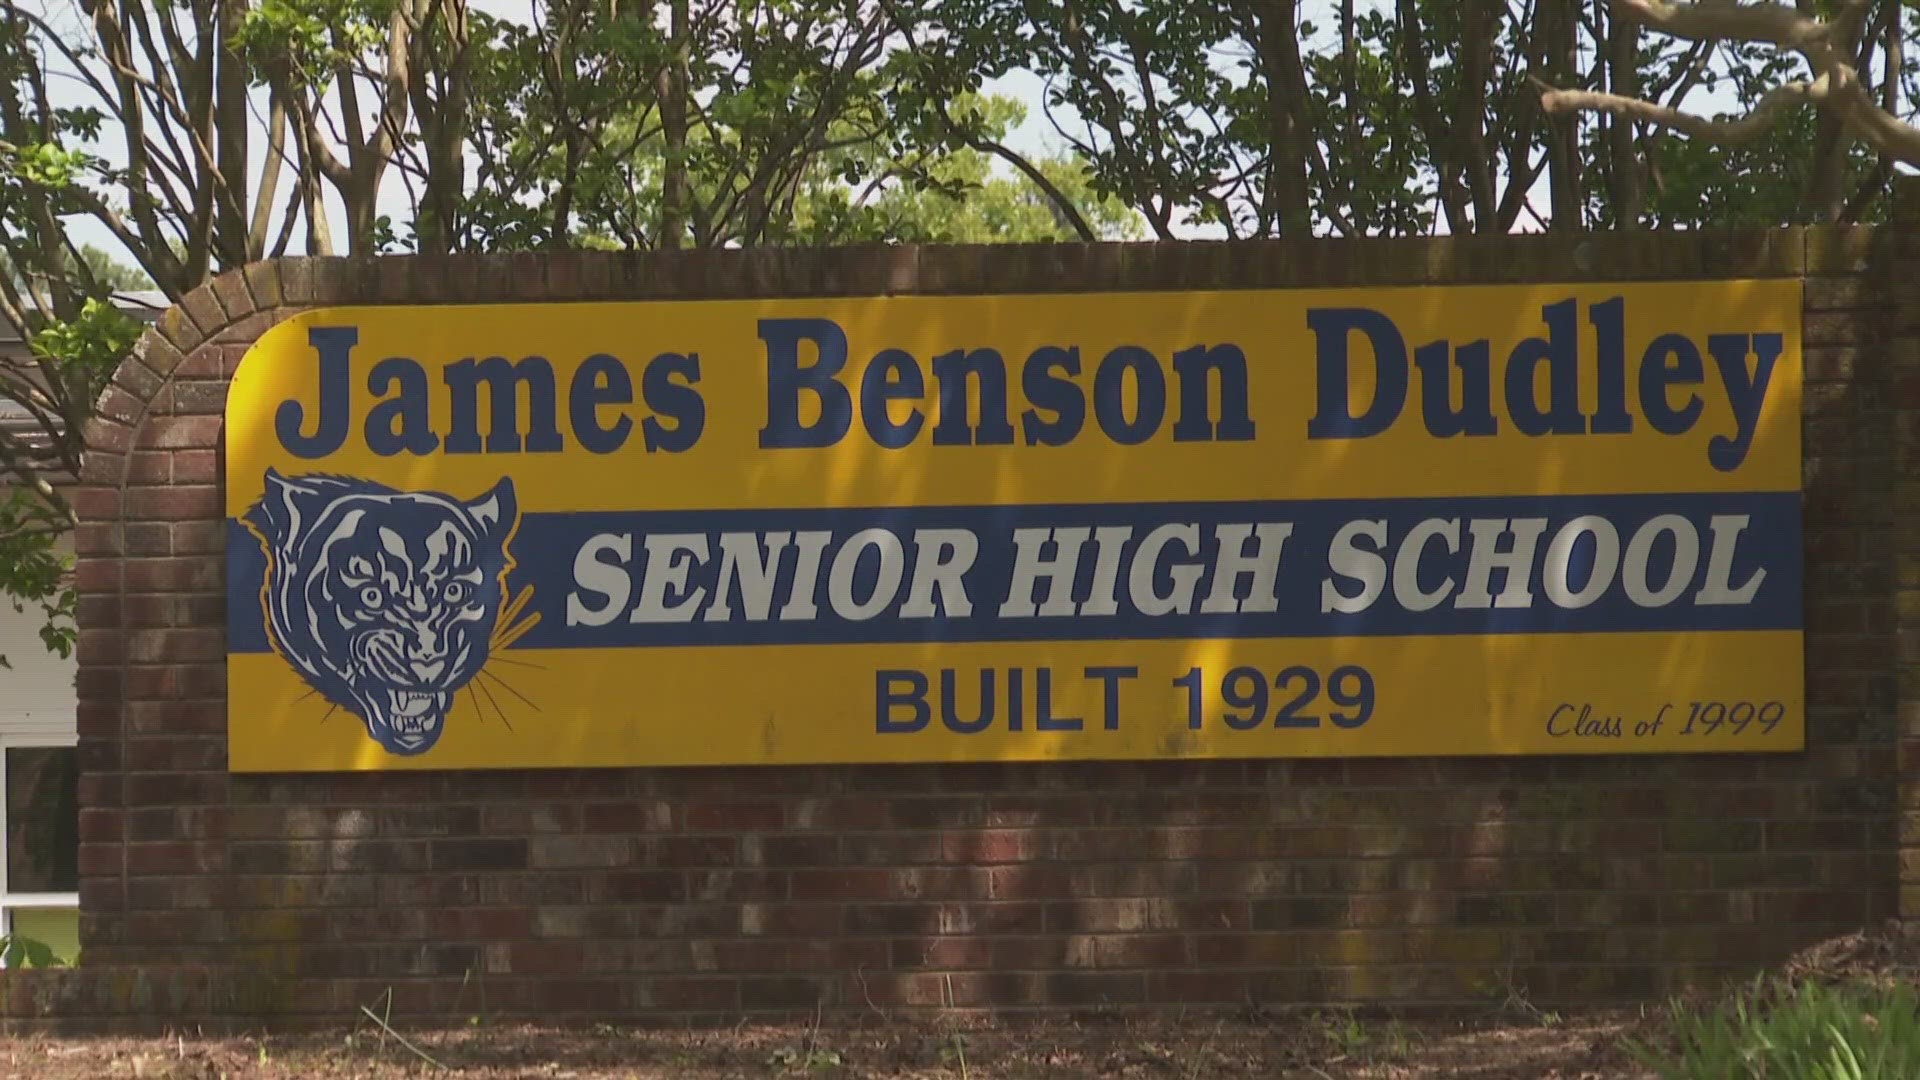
{"x":174,"y":574}
{"x":628,"y":817}
{"x":798,"y":919}
{"x":638,"y":886}
{"x":798,"y":994}
{"x":198,"y":537}
{"x":680,"y":993}
{"x":577,"y":851}
{"x":180,"y":432}
{"x":479,"y":854}
{"x":173,"y":503}
{"x":198,"y":397}
{"x":734,"y":816}
{"x":263,"y":282}
{"x":175,"y":645}
{"x":1079,"y":990}
{"x":584,"y":921}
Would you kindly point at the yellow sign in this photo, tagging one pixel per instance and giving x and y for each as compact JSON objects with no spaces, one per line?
{"x":1543,"y":519}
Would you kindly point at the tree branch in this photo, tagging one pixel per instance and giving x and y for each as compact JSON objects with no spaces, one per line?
{"x":1737,"y":130}
{"x":1768,"y":23}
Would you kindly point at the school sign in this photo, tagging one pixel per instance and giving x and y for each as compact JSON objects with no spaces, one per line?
{"x":1296,"y":523}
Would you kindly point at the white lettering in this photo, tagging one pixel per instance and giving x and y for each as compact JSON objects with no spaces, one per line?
{"x":1517,"y":562}
{"x":1406,"y":564}
{"x":1030,"y":568}
{"x":1103,"y":596}
{"x":808,"y":548}
{"x":1348,"y":560}
{"x":666,"y":569}
{"x":1718,"y":588}
{"x":1686,"y":556}
{"x":893,"y":558}
{"x":1232,"y":563}
{"x":942,"y":570}
{"x":605,"y":579}
{"x":740,"y":559}
{"x":1146,"y":561}
{"x":1606,"y":560}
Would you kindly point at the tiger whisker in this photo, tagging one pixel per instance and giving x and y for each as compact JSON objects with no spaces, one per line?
{"x":310,"y":692}
{"x":513,"y":609}
{"x":509,"y":688}
{"x":510,"y":631}
{"x":330,"y":711}
{"x":476,"y":703}
{"x":517,"y":631}
{"x":496,"y":703}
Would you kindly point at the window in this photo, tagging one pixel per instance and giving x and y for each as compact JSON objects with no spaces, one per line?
{"x":39,"y":781}
{"x":39,"y":876}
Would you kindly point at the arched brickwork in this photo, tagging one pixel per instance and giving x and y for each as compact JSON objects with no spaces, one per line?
{"x":716,"y":891}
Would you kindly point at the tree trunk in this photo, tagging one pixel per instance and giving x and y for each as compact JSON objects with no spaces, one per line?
{"x":1272,"y":27}
{"x":230,"y":120}
{"x":1623,"y":77}
{"x":1558,"y":27}
{"x":672,"y":89}
{"x":443,"y":132}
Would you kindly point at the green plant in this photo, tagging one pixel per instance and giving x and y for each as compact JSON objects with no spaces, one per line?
{"x":20,"y":951}
{"x":1771,"y":1030}
{"x":812,"y":1059}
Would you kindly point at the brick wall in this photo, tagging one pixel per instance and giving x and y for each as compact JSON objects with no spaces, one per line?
{"x":1029,"y":886}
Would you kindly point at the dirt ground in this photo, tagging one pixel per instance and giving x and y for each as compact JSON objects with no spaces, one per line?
{"x":1518,"y":1041}
{"x":1326,"y":1045}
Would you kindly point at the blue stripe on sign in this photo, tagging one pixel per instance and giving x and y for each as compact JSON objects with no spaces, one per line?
{"x":547,"y":546}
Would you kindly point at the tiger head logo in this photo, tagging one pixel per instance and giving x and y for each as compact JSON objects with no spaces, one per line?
{"x":384,"y":601}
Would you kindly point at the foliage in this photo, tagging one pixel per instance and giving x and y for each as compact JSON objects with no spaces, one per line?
{"x":20,"y":951}
{"x":1853,"y":1031}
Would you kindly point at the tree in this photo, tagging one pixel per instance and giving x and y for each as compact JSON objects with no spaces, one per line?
{"x":1852,"y":60}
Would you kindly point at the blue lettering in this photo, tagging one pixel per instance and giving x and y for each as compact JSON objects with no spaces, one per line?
{"x":1109,"y":400}
{"x":892,"y":376}
{"x":1559,"y":350}
{"x":1475,"y":414}
{"x":787,"y":380}
{"x":888,"y":694}
{"x":1043,"y":718}
{"x":677,"y":401}
{"x":1745,"y":393}
{"x":949,"y":700}
{"x":1672,"y":360}
{"x":1332,"y":327}
{"x":1110,"y":690}
{"x":404,"y":421}
{"x":952,"y":370}
{"x":1058,"y":394}
{"x":335,"y":346}
{"x":601,"y":380}
{"x":1195,"y":423}
{"x":504,"y":379}
{"x":1609,"y":319}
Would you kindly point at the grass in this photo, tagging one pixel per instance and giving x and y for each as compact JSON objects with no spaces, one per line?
{"x":1774,"y":1030}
